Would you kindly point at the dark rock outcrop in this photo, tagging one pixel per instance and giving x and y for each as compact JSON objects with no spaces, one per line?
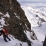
{"x":44,"y":44}
{"x":18,"y":22}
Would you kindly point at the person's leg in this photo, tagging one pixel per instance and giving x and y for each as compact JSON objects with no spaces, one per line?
{"x":8,"y":38}
{"x":4,"y":36}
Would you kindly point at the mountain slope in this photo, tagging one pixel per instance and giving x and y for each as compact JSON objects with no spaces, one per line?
{"x":37,"y":18}
{"x":34,"y":15}
{"x":16,"y":22}
{"x":13,"y":18}
{"x":13,"y":42}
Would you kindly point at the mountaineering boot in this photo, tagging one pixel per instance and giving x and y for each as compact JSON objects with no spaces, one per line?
{"x":5,"y":40}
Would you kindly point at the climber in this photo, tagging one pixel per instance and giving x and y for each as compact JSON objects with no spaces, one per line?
{"x":5,"y":33}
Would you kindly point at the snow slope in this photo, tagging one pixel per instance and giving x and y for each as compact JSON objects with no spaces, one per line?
{"x":34,"y":15}
{"x":13,"y":42}
{"x":37,"y":18}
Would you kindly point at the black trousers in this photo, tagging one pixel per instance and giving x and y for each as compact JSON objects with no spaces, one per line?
{"x":6,"y":37}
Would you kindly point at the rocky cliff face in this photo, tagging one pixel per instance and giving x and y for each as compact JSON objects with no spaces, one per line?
{"x":17,"y":23}
{"x":44,"y":43}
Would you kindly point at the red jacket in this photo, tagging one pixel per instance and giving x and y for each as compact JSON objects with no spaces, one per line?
{"x":5,"y":31}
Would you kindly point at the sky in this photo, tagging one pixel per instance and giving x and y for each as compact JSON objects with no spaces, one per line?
{"x":31,"y":1}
